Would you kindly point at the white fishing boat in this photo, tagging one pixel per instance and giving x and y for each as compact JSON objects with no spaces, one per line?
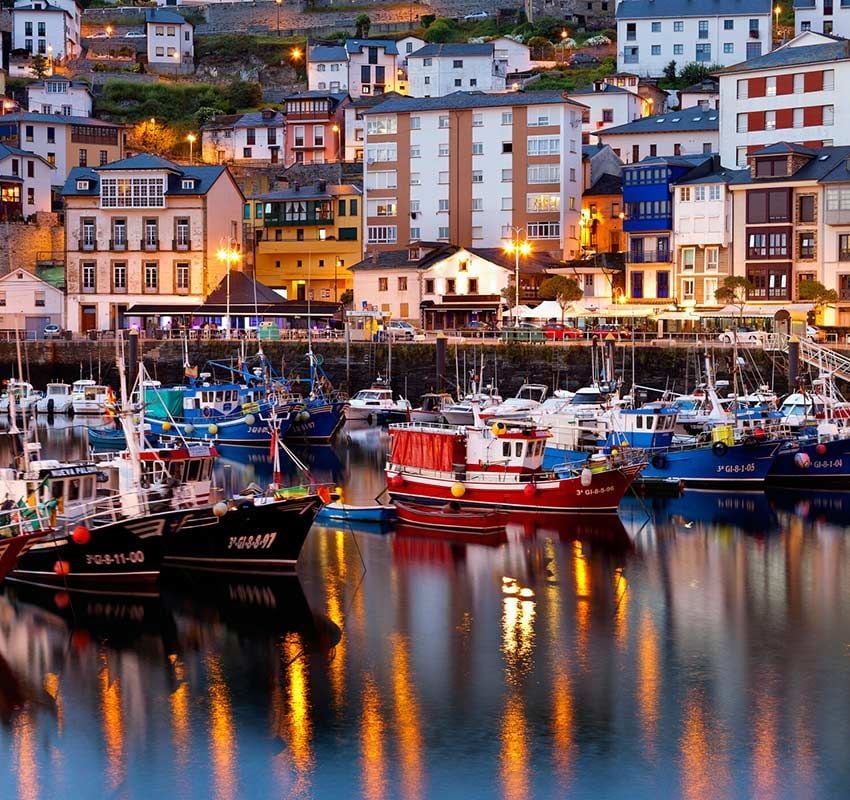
{"x":377,"y":404}
{"x":89,"y":397}
{"x":25,"y":397}
{"x":431,"y":407}
{"x":57,"y":399}
{"x":461,"y":413}
{"x":527,"y":400}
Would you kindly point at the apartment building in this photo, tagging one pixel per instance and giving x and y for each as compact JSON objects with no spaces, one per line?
{"x":792,"y":213}
{"x":355,"y":123}
{"x":60,"y":95}
{"x":29,"y":303}
{"x":170,"y":41}
{"x":648,"y":222}
{"x":790,"y":94}
{"x":608,"y":106}
{"x":50,"y":28}
{"x":327,"y":68}
{"x":373,"y":67}
{"x":234,"y":138}
{"x":822,"y":16}
{"x":64,"y":142}
{"x":307,"y":238}
{"x":315,"y":127}
{"x":652,"y":33}
{"x":705,"y":94}
{"x":673,"y":133}
{"x":26,"y":181}
{"x":470,"y":168}
{"x":440,"y":69}
{"x":141,"y":236}
{"x":703,"y":233}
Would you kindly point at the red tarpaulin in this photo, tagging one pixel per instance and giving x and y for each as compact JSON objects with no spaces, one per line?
{"x":432,"y":450}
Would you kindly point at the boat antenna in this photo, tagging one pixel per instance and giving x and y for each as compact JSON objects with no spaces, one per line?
{"x":12,"y":409}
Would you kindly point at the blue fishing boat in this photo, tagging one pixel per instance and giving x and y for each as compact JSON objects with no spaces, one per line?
{"x":103,"y":439}
{"x":322,"y":409}
{"x":345,"y":512}
{"x":813,"y":460}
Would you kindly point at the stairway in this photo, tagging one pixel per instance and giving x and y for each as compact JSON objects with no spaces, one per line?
{"x":824,"y":359}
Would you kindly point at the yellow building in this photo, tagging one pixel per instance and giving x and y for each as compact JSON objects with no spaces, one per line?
{"x":307,"y":238}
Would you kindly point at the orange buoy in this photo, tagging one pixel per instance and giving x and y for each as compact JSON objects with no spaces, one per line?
{"x":62,"y":567}
{"x":81,"y":535}
{"x":62,"y":600}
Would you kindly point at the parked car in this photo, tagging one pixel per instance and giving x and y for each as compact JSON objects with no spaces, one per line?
{"x":557,"y":331}
{"x":605,"y":329}
{"x":399,"y":329}
{"x":743,"y":335}
{"x":477,"y":326}
{"x":52,"y":331}
{"x":135,"y":35}
{"x":476,"y":15}
{"x":814,"y":334}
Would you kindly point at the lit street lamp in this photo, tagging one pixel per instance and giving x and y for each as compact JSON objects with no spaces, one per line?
{"x":229,"y":255}
{"x":335,"y":129}
{"x":191,"y":138}
{"x":279,"y":3}
{"x":518,"y":247}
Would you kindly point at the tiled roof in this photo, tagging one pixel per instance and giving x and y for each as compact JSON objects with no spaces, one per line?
{"x":316,"y":94}
{"x":252,"y":119}
{"x":204,"y":177}
{"x":323,"y":52}
{"x":789,"y":56}
{"x":676,"y":9}
{"x":721,"y":175}
{"x":825,"y":165}
{"x":367,"y":101}
{"x":688,"y":119}
{"x":672,"y":161}
{"x":605,"y":88}
{"x":56,"y":119}
{"x":607,"y":184}
{"x":708,"y":86}
{"x":460,"y":100}
{"x":387,"y":259}
{"x":7,"y":150}
{"x":453,"y":50}
{"x":309,"y":192}
{"x":162,"y":16}
{"x":357,"y":45}
{"x":785,"y":148}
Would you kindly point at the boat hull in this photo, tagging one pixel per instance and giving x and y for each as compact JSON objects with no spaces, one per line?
{"x":249,"y":538}
{"x":373,"y":414}
{"x":466,"y":521}
{"x":54,"y":405}
{"x":828,"y":465}
{"x":552,"y":495}
{"x":324,"y":421}
{"x":340,"y":512}
{"x":236,"y":432}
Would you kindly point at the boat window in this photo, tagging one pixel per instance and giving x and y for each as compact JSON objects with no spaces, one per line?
{"x":639,"y":421}
{"x":506,"y":449}
{"x":518,"y":451}
{"x":192,"y":471}
{"x":74,"y":489}
{"x":587,"y":398}
{"x":57,"y":489}
{"x":177,"y":468}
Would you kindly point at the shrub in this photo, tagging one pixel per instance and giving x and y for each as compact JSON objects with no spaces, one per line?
{"x":439,"y":31}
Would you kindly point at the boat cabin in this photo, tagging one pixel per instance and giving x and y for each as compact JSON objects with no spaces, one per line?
{"x":535,"y":392}
{"x":435,"y":401}
{"x":506,"y":447}
{"x":373,"y":397}
{"x":649,"y":426}
{"x":54,"y":390}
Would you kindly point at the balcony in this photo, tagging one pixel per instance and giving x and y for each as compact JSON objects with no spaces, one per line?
{"x":149,"y":245}
{"x":308,"y":219}
{"x":117,"y":244}
{"x":649,"y":257}
{"x":87,"y":245}
{"x":181,"y":244}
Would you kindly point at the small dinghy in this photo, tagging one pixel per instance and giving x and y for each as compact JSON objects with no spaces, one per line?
{"x":345,"y":512}
{"x":107,"y":439}
{"x":452,"y":517}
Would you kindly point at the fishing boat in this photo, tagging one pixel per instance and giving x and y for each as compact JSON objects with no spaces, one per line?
{"x":345,"y":512}
{"x":103,"y":438}
{"x":462,"y":412}
{"x":57,"y":399}
{"x":499,"y":467}
{"x":452,"y":517}
{"x":19,"y":394}
{"x":431,"y":407}
{"x":377,"y":405}
{"x":319,"y":413}
{"x":88,"y":397}
{"x":527,"y":400}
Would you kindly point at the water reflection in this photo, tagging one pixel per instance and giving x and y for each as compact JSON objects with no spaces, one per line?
{"x":699,"y":650}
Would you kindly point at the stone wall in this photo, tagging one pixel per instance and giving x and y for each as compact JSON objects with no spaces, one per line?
{"x":42,"y":239}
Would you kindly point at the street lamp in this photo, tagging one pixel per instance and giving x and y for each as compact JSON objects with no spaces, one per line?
{"x":335,"y":129}
{"x":229,"y":255}
{"x":518,"y":247}
{"x":295,"y":53}
{"x":777,"y":10}
{"x":191,"y":138}
{"x":279,"y":3}
{"x":337,"y":265}
{"x":109,"y":30}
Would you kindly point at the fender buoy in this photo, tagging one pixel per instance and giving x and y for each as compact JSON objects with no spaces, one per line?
{"x":50,"y":405}
{"x":821,"y":449}
{"x":206,"y":411}
{"x":81,"y":535}
{"x":659,"y":461}
{"x":720,"y":449}
{"x":529,"y":490}
{"x":458,"y":489}
{"x":802,"y":460}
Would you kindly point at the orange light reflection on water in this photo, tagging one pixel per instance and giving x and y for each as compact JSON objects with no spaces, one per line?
{"x":113,"y":723}
{"x":23,"y":737}
{"x":373,"y":757}
{"x":180,"y":720}
{"x":515,"y":750}
{"x":222,"y":735}
{"x":765,"y":758}
{"x":703,"y":769}
{"x":336,"y":666}
{"x":581,"y":579}
{"x":408,"y":723}
{"x":54,"y":690}
{"x":649,"y":678}
{"x":298,"y":704}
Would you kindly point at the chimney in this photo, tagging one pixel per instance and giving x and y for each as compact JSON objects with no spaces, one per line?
{"x":598,"y":85}
{"x":268,"y":113}
{"x":373,"y":257}
{"x":296,"y":187}
{"x":321,"y":185}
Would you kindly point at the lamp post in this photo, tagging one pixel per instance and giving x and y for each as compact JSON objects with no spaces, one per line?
{"x":337,"y":265}
{"x":777,"y":10}
{"x":191,"y":138}
{"x":518,"y":247}
{"x":228,"y":254}
{"x":335,"y":129}
{"x":279,"y":3}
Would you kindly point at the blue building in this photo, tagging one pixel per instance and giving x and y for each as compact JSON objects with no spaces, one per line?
{"x":648,"y":221}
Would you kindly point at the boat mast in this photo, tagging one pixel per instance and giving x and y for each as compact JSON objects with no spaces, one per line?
{"x":126,"y":415}
{"x":12,"y":408}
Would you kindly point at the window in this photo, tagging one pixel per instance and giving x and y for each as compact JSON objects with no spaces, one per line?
{"x":385,"y":207}
{"x":89,"y":236}
{"x":415,"y":123}
{"x":477,"y":176}
{"x":678,"y":49}
{"x":119,"y":276}
{"x":507,"y":117}
{"x":151,"y":276}
{"x":636,"y":284}
{"x":477,"y":119}
{"x":806,"y":245}
{"x":768,"y":206}
{"x":685,"y":194}
{"x":442,"y":205}
{"x":415,"y":179}
{"x":703,"y":53}
{"x":450,"y":285}
{"x":844,"y":248}
{"x":380,"y":126}
{"x":103,"y":157}
{"x":381,"y":234}
{"x":132,"y":192}
{"x":443,"y":177}
{"x":443,"y":150}
{"x":714,"y":192}
{"x":544,"y":230}
{"x":402,"y":284}
{"x":415,"y":233}
{"x":28,"y":28}
{"x":507,"y":175}
{"x":376,"y":153}
{"x":40,"y":299}
{"x":806,"y":208}
{"x":382,"y":180}
{"x":443,"y":121}
{"x":728,"y":47}
{"x":151,"y":228}
{"x":539,"y":121}
{"x":728,"y":24}
{"x":712,"y":259}
{"x":699,"y":194}
{"x":429,"y":286}
{"x":119,"y":234}
{"x":477,"y":203}
{"x":543,"y":203}
{"x":88,"y":276}
{"x":414,"y":206}
{"x":383,"y":284}
{"x":544,"y":173}
{"x":543,"y":145}
{"x":631,"y":31}
{"x":678,"y":26}
{"x":160,"y":51}
{"x":688,"y":288}
{"x":828,"y":79}
{"x":415,"y":151}
{"x":688,"y":259}
{"x":703,"y":29}
{"x":655,"y":50}
{"x":478,"y":148}
{"x":656,"y":27}
{"x":443,"y":233}
{"x":30,"y":196}
{"x":507,"y":204}
{"x":829,"y":115}
{"x":51,"y":135}
{"x":507,"y":147}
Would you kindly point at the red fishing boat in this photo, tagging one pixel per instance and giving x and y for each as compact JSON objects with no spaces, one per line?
{"x":452,"y":517}
{"x":500,"y":466}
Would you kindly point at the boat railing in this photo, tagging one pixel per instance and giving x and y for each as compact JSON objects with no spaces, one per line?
{"x":436,"y":427}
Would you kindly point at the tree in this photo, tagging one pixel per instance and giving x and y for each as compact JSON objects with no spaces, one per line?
{"x":362,"y":24}
{"x":40,"y":66}
{"x":670,"y":72}
{"x":347,"y":297}
{"x":565,"y":290}
{"x":151,"y":136}
{"x":206,"y":113}
{"x":733,"y":292}
{"x":815,"y":292}
{"x":439,"y":31}
{"x":244,"y":94}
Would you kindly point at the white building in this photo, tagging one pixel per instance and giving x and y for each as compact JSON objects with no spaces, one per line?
{"x":652,"y":33}
{"x":141,"y":236}
{"x":515,"y":55}
{"x":48,"y":28}
{"x":791,"y":94}
{"x":608,"y":106}
{"x":255,"y":136}
{"x":170,"y":41}
{"x":372,"y":67}
{"x":327,"y":69}
{"x":440,"y":69}
{"x":26,"y":179}
{"x":408,"y":45}
{"x":28,"y":303}
{"x":705,"y":94}
{"x":675,"y":133}
{"x":59,"y":95}
{"x":822,"y":16}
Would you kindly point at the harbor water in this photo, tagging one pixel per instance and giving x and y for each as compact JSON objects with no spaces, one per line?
{"x":695,"y":646}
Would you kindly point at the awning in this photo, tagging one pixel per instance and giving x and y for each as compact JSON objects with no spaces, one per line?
{"x":618,"y":312}
{"x":754,"y":310}
{"x":462,"y":307}
{"x":678,"y":315}
{"x":521,"y":309}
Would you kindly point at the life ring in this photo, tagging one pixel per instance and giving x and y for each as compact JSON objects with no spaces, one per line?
{"x":659,"y":461}
{"x":720,"y":448}
{"x":750,"y":441}
{"x":206,"y":411}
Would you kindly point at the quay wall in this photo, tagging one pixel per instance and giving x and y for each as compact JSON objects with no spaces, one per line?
{"x":413,"y":365}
